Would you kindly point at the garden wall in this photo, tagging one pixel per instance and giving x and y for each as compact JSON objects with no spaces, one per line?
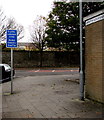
{"x":24,"y":59}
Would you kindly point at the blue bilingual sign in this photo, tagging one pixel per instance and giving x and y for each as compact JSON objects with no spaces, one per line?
{"x":11,"y":41}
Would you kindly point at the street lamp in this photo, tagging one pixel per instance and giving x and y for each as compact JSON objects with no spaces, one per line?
{"x":81,"y":54}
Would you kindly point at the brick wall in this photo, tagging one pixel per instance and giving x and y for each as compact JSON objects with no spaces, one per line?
{"x":50,"y":59}
{"x":103,"y":59}
{"x":93,"y":61}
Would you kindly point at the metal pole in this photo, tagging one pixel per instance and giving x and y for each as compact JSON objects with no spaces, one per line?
{"x":81,"y":55}
{"x":11,"y":71}
{"x":1,"y":106}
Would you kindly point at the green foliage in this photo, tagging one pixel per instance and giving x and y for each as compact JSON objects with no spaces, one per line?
{"x":90,"y":7}
{"x":63,"y":24}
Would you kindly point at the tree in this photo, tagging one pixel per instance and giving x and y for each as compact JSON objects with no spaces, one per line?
{"x":12,"y":25}
{"x":37,"y":33}
{"x":9,"y":24}
{"x":2,"y":25}
{"x":63,"y":24}
{"x":90,"y":7}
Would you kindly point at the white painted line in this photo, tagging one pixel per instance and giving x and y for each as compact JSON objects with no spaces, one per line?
{"x":53,"y":70}
{"x":37,"y":71}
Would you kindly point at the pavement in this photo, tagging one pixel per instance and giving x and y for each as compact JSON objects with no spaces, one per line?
{"x":52,"y":96}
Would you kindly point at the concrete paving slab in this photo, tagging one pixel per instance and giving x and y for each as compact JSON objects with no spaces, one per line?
{"x":47,"y":97}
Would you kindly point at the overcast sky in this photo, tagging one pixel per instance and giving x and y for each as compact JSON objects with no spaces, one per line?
{"x":26,"y":11}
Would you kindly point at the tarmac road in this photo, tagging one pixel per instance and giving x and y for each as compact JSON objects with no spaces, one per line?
{"x":42,"y":72}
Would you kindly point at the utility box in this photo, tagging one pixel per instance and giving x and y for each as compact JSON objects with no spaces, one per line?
{"x":94,"y":56}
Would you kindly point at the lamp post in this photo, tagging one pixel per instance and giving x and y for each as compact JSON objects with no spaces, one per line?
{"x":81,"y":54}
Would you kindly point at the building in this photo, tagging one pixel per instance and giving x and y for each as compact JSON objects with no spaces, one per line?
{"x":26,"y":46}
{"x":94,"y":56}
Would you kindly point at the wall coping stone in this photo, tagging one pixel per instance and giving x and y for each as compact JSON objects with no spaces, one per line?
{"x":94,"y":17}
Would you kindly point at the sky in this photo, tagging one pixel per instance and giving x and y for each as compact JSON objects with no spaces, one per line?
{"x":26,"y":11}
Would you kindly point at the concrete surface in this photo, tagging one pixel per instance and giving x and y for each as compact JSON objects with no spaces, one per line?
{"x":55,"y":96}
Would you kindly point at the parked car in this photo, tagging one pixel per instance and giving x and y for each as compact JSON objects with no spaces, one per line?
{"x":5,"y":73}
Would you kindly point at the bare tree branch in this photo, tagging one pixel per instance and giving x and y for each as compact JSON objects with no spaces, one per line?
{"x":9,"y":24}
{"x":12,"y":25}
{"x":38,"y":32}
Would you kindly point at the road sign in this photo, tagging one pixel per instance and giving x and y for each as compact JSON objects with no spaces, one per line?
{"x":11,"y":41}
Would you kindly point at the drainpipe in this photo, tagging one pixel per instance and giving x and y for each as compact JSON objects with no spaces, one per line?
{"x":81,"y":54}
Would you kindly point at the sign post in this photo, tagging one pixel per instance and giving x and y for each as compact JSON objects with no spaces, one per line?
{"x":11,"y":43}
{"x":11,"y":71}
